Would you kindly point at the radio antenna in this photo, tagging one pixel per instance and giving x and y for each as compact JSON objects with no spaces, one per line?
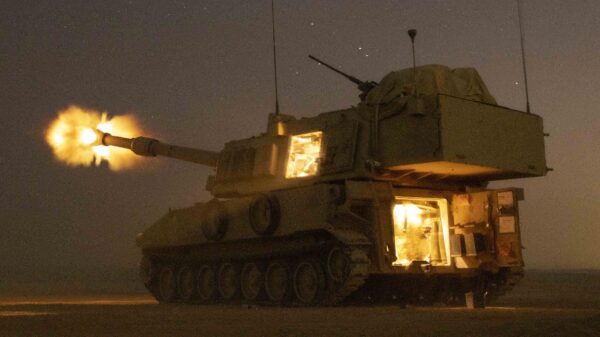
{"x":523,"y":55}
{"x":412,"y":33}
{"x":275,"y":58}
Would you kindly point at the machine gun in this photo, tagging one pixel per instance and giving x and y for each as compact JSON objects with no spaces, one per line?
{"x":363,"y":86}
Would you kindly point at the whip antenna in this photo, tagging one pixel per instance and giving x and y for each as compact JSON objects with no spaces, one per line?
{"x":523,"y":56}
{"x":412,"y":33}
{"x":274,"y":58}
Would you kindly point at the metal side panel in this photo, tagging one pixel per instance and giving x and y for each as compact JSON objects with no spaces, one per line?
{"x":491,"y":136}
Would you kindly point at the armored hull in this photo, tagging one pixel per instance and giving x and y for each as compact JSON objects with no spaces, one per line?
{"x":320,"y":244}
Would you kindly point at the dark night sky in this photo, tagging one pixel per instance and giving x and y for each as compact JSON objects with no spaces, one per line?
{"x":199,"y":73}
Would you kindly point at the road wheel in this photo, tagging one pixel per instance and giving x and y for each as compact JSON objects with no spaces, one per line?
{"x":206,"y":285}
{"x":167,"y":285}
{"x":338,"y":265}
{"x":186,"y":284}
{"x":264,"y":214}
{"x":251,"y":281}
{"x":309,"y":282}
{"x":227,"y":281}
{"x":277,"y":281}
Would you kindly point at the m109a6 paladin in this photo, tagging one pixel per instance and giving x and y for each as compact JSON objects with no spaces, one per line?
{"x":383,"y":201}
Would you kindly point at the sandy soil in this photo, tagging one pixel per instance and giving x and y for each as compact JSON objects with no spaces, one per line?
{"x":546,"y":304}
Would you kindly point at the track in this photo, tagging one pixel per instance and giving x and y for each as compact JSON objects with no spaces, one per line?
{"x":323,"y":276}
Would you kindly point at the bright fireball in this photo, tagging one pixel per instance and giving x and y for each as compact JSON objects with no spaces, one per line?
{"x":74,"y":141}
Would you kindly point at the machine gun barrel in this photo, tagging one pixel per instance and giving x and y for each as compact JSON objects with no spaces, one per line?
{"x":350,"y":77}
{"x":151,"y":147}
{"x":363,"y":86}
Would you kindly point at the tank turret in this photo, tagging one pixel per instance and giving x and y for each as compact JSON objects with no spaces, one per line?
{"x":452,"y":134}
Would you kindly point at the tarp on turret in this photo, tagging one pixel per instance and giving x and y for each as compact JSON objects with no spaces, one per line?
{"x":431,"y":79}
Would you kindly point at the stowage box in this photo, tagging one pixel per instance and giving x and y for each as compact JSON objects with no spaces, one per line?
{"x":466,"y":138}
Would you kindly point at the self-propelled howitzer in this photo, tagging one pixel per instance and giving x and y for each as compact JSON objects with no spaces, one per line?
{"x":383,"y":201}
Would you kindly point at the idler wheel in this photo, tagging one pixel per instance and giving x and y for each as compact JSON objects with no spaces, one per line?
{"x":309,"y":282}
{"x":227,"y":281}
{"x":277,"y":281}
{"x":251,"y":281}
{"x":338,"y":265}
{"x":206,"y":285}
{"x":167,"y":285}
{"x":186,"y":284}
{"x":264,"y":214}
{"x":214,"y":221}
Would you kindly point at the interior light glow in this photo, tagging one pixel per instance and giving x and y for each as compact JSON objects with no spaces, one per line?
{"x":304,"y":152}
{"x":421,"y":231}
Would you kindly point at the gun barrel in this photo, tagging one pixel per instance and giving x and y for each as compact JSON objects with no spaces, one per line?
{"x":350,"y":77}
{"x":151,"y":147}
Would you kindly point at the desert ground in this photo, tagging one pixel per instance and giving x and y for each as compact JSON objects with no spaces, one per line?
{"x":544,"y":304}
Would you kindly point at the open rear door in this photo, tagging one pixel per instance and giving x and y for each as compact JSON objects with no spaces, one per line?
{"x":505,"y":214}
{"x":486,"y":229}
